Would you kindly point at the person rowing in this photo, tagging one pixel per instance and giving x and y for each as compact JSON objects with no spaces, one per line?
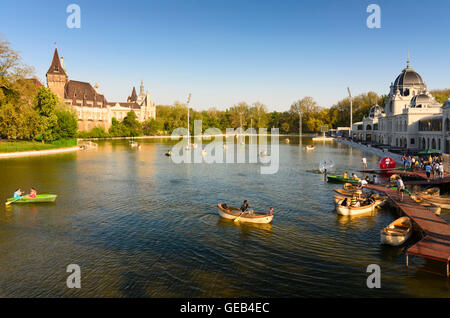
{"x":18,"y":194}
{"x":245,"y":206}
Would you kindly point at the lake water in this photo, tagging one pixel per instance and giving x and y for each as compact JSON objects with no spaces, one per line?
{"x":139,"y":225}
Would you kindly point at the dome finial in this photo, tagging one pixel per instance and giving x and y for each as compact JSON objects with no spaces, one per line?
{"x":408,"y":61}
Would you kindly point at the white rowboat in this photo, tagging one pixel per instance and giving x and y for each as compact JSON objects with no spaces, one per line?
{"x":398,"y":232}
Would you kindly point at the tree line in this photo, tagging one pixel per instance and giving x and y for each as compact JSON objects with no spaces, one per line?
{"x":30,"y":112}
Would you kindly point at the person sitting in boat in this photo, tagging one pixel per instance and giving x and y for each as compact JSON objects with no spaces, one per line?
{"x":345,"y":175}
{"x":244,"y":206}
{"x":353,"y":201}
{"x":32,"y":194}
{"x":18,"y":194}
{"x":362,"y":183}
{"x":344,"y":202}
{"x":369,"y":199}
{"x":354,"y":176}
{"x":270,"y":211}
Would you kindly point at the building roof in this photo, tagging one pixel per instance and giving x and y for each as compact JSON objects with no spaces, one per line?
{"x":56,"y":67}
{"x":76,"y":90}
{"x":132,"y":105}
{"x":133,"y":96}
{"x":408,"y":77}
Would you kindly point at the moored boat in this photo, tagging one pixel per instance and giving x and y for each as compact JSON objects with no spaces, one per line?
{"x":341,"y":179}
{"x":444,"y":203}
{"x":436,"y":209}
{"x":348,"y":193}
{"x":231,"y":213}
{"x":350,"y":187}
{"x":379,"y":200}
{"x":353,"y":211}
{"x":40,"y":198}
{"x":398,"y":232}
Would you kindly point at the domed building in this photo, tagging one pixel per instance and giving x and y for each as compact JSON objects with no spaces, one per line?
{"x":412,"y":119}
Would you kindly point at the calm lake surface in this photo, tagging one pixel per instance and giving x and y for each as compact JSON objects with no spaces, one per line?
{"x":141,"y":226}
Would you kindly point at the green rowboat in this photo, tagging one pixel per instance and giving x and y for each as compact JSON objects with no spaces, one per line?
{"x":40,"y":198}
{"x":341,"y":179}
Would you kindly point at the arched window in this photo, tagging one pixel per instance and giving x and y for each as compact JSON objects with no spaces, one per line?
{"x":433,"y":144}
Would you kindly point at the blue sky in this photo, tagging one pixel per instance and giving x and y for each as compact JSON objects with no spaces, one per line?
{"x":226,"y":51}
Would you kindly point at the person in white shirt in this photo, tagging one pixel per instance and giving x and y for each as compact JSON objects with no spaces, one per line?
{"x":441,"y":170}
{"x":400,"y":187}
{"x":364,"y":162}
{"x":362,"y":183}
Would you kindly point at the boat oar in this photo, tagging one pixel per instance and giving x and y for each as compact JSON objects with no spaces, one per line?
{"x":237,"y":219}
{"x":9,"y":202}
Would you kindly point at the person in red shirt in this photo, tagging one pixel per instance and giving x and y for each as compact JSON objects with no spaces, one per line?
{"x":32,"y":194}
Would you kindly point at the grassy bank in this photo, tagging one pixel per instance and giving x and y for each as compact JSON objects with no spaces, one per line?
{"x":19,"y":146}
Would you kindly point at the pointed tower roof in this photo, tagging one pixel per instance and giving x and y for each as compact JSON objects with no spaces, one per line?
{"x":56,"y":67}
{"x":133,"y":96}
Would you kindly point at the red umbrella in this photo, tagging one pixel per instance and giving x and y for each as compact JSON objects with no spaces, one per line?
{"x":387,"y":163}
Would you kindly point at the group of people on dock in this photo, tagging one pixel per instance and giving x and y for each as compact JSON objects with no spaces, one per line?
{"x":432,"y":164}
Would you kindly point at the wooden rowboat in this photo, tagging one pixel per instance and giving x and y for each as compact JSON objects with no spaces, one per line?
{"x":350,"y":187}
{"x":232,"y":213}
{"x":348,"y":193}
{"x":398,"y":232}
{"x":436,"y":209}
{"x":310,"y":147}
{"x":40,"y":198}
{"x":444,"y":203}
{"x":379,"y":200}
{"x":352,"y":211}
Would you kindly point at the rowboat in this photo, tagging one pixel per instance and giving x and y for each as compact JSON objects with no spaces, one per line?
{"x":398,"y":232}
{"x":444,"y":203}
{"x":436,"y":209}
{"x":379,"y":200}
{"x":231,"y":213}
{"x":40,"y":198}
{"x":341,"y":179}
{"x":352,"y":211}
{"x":433,"y":191}
{"x":310,"y":147}
{"x":350,"y":187}
{"x":348,"y":193}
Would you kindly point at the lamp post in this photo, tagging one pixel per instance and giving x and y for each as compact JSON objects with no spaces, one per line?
{"x":351,"y":113}
{"x":187,"y":104}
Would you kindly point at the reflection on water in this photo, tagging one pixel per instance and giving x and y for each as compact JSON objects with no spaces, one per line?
{"x":141,"y":226}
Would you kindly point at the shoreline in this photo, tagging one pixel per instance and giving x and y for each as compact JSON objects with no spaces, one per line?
{"x":192,"y":136}
{"x":375,"y":151}
{"x":6,"y":155}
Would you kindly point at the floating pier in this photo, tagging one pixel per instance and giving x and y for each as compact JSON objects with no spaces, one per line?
{"x":435,"y":244}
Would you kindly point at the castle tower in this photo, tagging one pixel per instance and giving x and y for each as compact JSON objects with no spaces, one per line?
{"x":141,"y":90}
{"x":56,"y":76}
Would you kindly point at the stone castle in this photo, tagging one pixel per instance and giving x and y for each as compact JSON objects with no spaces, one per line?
{"x":92,"y":108}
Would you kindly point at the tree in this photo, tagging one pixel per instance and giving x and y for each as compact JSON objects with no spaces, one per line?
{"x":45,"y":105}
{"x":152,"y":127}
{"x":67,"y":124}
{"x":132,"y":124}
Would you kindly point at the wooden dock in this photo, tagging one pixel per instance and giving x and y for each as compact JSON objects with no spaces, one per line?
{"x":435,"y":244}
